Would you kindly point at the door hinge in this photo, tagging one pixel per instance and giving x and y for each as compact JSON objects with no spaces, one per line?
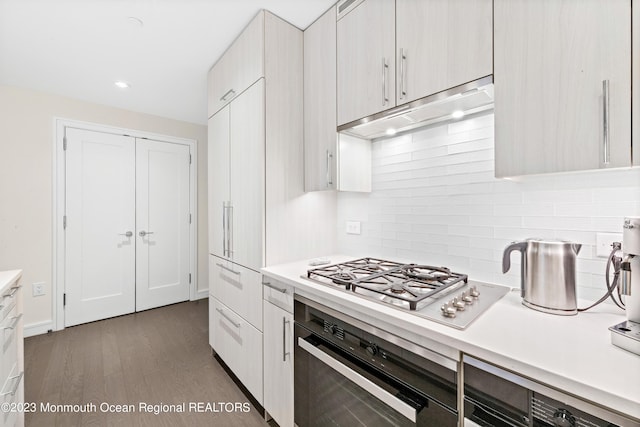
{"x":64,"y":299}
{"x":189,"y":277}
{"x":189,"y":158}
{"x":64,"y":222}
{"x":64,"y":143}
{"x":189,"y":218}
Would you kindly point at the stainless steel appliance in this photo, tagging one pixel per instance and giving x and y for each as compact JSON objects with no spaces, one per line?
{"x":499,"y":398}
{"x":627,"y":334}
{"x":547,"y":274}
{"x":348,"y":373}
{"x":435,"y":293}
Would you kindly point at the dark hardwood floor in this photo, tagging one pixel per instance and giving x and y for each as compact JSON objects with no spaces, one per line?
{"x":159,"y":356}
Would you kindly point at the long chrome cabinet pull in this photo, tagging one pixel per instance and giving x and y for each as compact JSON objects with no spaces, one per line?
{"x":285,"y":353}
{"x":227,"y":93}
{"x":269,"y":285}
{"x":224,"y":228}
{"x":356,"y":378}
{"x":15,"y":321}
{"x":230,"y":230}
{"x":606,"y":151}
{"x":230,"y":270}
{"x":329,"y":171}
{"x":223,"y":314}
{"x":403,"y":58}
{"x":385,"y":69}
{"x":15,"y":385}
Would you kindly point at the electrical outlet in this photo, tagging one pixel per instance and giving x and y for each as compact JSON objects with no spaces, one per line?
{"x":604,"y":241}
{"x":353,"y":227}
{"x":38,"y":289}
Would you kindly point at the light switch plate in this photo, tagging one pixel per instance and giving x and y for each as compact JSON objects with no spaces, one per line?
{"x":353,"y":227}
{"x":604,"y":241}
{"x":38,"y":289}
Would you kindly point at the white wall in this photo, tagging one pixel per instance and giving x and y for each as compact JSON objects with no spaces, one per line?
{"x":435,"y":200}
{"x":26,"y":150}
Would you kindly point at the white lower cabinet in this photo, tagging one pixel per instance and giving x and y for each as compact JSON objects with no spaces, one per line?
{"x":278,"y":351}
{"x":11,"y":353}
{"x":238,"y":344}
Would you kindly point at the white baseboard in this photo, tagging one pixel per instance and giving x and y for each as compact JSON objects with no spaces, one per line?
{"x":201,"y":294}
{"x":38,"y":328}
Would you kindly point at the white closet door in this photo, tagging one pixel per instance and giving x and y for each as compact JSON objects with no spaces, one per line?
{"x":162,"y":220}
{"x":100,"y":211}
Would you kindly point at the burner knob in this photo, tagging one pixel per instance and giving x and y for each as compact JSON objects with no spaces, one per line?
{"x":474,"y":292}
{"x":372,"y":349}
{"x":459,"y":305}
{"x":333,"y":329}
{"x":467,"y":298}
{"x":448,"y":310}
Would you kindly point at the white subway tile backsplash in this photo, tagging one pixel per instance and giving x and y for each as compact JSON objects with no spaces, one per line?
{"x":435,"y":200}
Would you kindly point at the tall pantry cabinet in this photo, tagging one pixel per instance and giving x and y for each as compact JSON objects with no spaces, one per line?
{"x":255,"y":172}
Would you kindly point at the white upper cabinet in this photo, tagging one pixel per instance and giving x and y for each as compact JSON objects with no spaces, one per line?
{"x":366,"y":60}
{"x":393,"y":52}
{"x":239,"y":67}
{"x":441,"y":44}
{"x":320,"y":103}
{"x":562,"y":85}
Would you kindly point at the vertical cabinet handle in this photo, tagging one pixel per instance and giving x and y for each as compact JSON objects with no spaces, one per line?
{"x":230,"y":230}
{"x":403,"y":70}
{"x":224,"y":228}
{"x":385,"y":68}
{"x":284,"y":339}
{"x":606,"y":143}
{"x":329,"y":171}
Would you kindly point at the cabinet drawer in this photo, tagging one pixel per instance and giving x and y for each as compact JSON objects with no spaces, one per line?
{"x":238,"y":288}
{"x":278,"y":293}
{"x":239,"y":345}
{"x":239,"y":67}
{"x":8,"y":300}
{"x":12,"y":392}
{"x":9,"y":331}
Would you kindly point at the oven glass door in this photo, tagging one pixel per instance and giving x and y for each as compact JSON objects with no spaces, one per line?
{"x":335,"y":389}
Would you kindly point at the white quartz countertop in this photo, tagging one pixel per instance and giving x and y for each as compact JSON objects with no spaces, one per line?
{"x":8,"y":278}
{"x":573,"y":354}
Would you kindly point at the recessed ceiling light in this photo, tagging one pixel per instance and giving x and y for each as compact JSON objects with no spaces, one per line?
{"x":122,"y":84}
{"x":391,"y":131}
{"x":458,"y":114}
{"x":134,"y":20}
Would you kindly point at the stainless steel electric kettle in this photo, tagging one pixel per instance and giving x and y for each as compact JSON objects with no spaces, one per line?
{"x":548,"y":274}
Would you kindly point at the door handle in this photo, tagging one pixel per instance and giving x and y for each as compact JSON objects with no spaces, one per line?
{"x":144,"y":233}
{"x":285,"y":353}
{"x":127,"y":234}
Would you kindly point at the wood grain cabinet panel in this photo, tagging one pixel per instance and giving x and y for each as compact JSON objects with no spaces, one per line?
{"x":366,"y":60}
{"x":551,"y":59}
{"x":441,"y":44}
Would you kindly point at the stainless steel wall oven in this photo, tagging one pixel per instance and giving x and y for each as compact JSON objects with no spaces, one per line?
{"x":348,"y":373}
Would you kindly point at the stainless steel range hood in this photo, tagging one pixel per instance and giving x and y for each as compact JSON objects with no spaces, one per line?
{"x":469,"y":98}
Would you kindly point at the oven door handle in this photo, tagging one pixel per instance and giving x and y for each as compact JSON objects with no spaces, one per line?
{"x":358,"y":379}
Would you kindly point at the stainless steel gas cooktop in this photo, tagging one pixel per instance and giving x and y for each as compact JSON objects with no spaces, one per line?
{"x":435,"y":293}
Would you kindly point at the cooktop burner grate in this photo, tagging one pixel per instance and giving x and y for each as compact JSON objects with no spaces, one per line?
{"x":396,"y":283}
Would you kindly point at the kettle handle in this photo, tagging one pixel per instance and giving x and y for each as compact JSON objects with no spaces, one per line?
{"x":506,"y":256}
{"x":506,"y":260}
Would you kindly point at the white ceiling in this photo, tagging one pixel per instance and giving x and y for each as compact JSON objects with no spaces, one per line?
{"x":78,"y":48}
